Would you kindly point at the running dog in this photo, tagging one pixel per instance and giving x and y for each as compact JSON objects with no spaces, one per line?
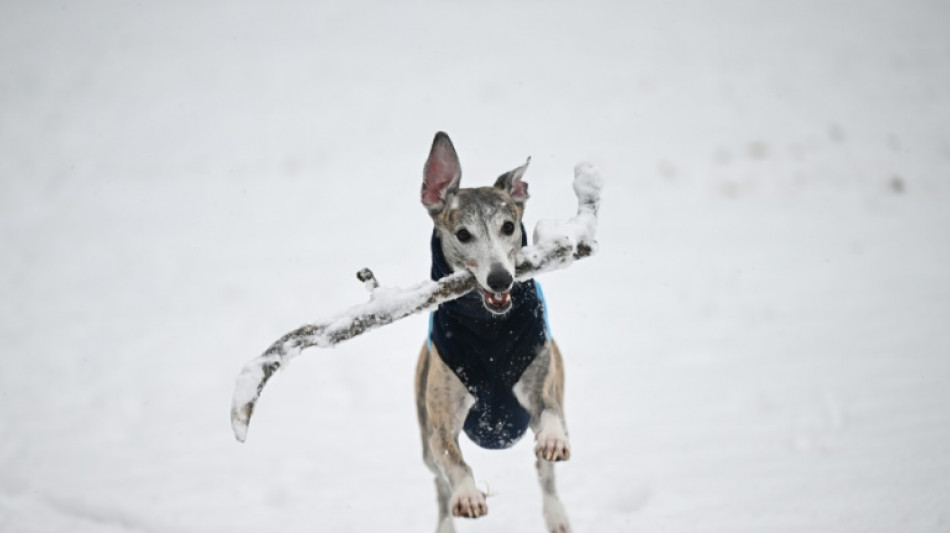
{"x":489,"y":366}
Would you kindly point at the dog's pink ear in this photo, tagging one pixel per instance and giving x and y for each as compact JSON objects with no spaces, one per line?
{"x":441,"y":174}
{"x":511,"y":183}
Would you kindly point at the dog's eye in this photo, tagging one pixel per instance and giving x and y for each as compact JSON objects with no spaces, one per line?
{"x":508,"y":228}
{"x":463,"y":235}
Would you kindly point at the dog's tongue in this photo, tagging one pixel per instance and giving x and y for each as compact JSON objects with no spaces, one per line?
{"x":498,"y":299}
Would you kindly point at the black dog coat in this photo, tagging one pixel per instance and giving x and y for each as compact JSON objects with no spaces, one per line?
{"x":489,"y":353}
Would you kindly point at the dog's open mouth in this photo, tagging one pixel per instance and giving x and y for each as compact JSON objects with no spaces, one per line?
{"x":496,"y":302}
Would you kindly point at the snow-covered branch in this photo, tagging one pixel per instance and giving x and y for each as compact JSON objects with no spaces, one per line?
{"x":556,"y":245}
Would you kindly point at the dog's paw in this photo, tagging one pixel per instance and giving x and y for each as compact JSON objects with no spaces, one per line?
{"x":468,"y":503}
{"x":552,"y":446}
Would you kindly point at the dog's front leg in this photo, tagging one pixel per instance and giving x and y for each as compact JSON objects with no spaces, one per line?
{"x":541,"y":391}
{"x":447,"y":404}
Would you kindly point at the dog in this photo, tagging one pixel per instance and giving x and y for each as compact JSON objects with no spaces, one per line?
{"x":489,"y":366}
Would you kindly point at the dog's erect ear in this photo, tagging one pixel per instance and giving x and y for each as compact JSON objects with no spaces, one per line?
{"x":441,"y":175}
{"x":511,"y":183}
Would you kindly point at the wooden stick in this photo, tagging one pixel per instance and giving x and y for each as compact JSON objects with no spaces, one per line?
{"x":557,"y":245}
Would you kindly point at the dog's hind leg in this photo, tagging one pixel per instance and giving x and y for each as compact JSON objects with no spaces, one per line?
{"x":555,"y":517}
{"x":445,"y":525}
{"x":541,"y":391}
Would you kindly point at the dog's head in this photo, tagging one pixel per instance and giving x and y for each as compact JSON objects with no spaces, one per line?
{"x":479,"y":228}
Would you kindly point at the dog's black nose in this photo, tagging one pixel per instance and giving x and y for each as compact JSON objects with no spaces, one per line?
{"x":499,"y":279}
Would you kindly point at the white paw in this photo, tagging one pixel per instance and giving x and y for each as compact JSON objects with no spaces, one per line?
{"x":468,"y":502}
{"x":555,"y":518}
{"x":552,"y":446}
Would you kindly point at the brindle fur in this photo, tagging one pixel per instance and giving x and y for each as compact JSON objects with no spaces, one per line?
{"x":442,"y":401}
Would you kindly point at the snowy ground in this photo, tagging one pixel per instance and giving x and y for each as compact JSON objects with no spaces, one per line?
{"x":761,"y":344}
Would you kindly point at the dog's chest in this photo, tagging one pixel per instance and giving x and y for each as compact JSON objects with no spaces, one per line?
{"x":489,"y":357}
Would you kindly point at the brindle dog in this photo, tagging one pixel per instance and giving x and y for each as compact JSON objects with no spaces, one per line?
{"x":505,"y":372}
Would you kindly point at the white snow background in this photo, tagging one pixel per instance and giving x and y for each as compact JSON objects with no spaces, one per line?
{"x":761,"y":344}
